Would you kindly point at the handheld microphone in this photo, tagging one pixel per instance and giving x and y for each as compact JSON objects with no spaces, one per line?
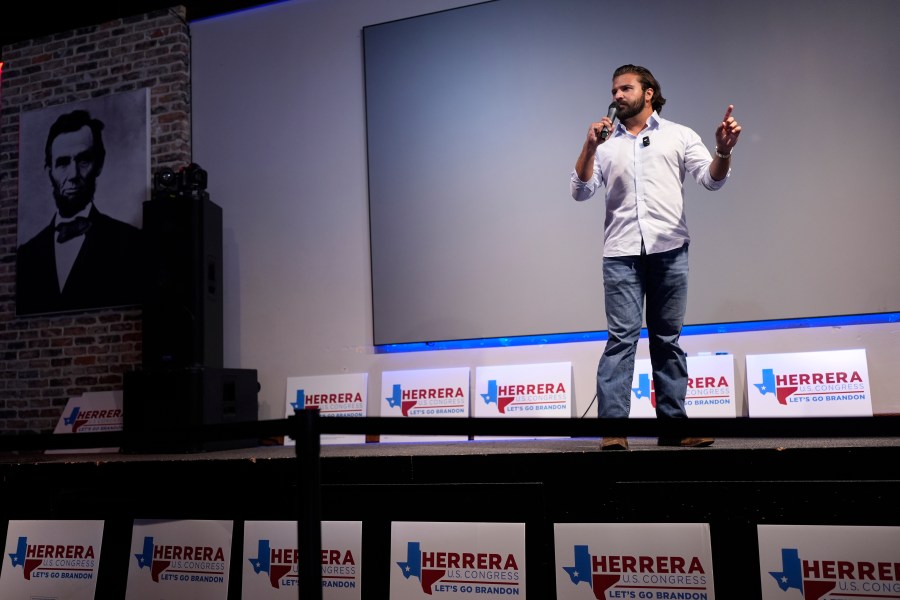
{"x":611,"y":113}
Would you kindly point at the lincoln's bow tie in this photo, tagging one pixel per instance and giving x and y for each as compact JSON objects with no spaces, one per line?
{"x":70,"y":229}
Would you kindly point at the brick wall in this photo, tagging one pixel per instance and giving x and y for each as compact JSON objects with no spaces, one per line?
{"x":44,"y":360}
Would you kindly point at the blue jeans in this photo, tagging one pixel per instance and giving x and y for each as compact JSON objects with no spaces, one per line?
{"x":662,"y":279}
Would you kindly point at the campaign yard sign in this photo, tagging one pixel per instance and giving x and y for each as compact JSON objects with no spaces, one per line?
{"x":343,"y":395}
{"x":51,"y":559}
{"x":89,"y":413}
{"x":710,"y":388}
{"x":424,"y":393}
{"x":271,"y":558}
{"x":457,"y":561}
{"x":656,"y":561}
{"x":179,"y":560}
{"x":828,"y":562}
{"x":833,"y":383}
{"x":528,"y":390}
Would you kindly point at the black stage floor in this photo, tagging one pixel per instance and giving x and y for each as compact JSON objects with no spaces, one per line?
{"x":431,"y":447}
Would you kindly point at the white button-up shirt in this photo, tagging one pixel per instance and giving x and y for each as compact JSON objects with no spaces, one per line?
{"x":643,"y":175}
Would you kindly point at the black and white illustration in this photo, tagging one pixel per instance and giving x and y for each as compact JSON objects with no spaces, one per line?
{"x":84,"y":173}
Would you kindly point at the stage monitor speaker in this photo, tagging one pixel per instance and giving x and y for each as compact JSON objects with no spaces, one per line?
{"x":182,"y":299}
{"x":159,"y":406}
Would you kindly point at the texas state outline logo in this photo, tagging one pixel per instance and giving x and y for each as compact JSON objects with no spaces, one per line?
{"x":462,"y":573}
{"x":280,"y":564}
{"x":815,"y":579}
{"x":73,"y":421}
{"x":645,"y":389}
{"x":654,"y":577}
{"x":769,"y":385}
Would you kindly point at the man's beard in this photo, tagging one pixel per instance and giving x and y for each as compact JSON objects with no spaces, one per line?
{"x":72,"y":203}
{"x":629,"y":110}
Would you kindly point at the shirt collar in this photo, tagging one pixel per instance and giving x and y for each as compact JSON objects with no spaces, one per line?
{"x":654,"y":121}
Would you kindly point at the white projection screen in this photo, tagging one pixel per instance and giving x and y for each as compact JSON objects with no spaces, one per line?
{"x":475,"y":117}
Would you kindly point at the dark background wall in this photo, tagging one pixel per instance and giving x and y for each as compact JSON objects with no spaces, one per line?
{"x":38,"y":18}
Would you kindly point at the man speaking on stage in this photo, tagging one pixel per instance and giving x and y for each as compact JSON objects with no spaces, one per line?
{"x":642,"y":160}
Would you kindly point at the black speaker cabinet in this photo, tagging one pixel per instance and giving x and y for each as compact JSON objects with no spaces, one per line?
{"x":182,"y":295}
{"x":161,"y":408}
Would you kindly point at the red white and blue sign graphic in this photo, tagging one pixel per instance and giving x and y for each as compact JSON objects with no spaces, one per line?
{"x":833,"y":383}
{"x":81,"y":420}
{"x":425,"y":393}
{"x":535,"y":390}
{"x":179,"y":559}
{"x":542,"y":390}
{"x":271,"y":566}
{"x":51,"y":559}
{"x":343,"y":395}
{"x":331,"y":395}
{"x":829,"y":562}
{"x":457,"y":560}
{"x":710,"y":387}
{"x":602,"y":561}
{"x":91,"y":412}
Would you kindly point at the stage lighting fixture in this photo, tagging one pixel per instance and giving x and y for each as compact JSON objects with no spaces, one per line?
{"x":187,"y":182}
{"x":194,"y":177}
{"x":165,"y":184}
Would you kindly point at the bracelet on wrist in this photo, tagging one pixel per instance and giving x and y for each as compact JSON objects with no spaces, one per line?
{"x":721,"y":155}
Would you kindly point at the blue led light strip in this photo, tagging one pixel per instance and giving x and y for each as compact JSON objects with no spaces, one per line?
{"x":595,"y":336}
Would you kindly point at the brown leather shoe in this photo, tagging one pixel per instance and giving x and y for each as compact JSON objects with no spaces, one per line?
{"x":614,"y":443}
{"x":688,"y":442}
